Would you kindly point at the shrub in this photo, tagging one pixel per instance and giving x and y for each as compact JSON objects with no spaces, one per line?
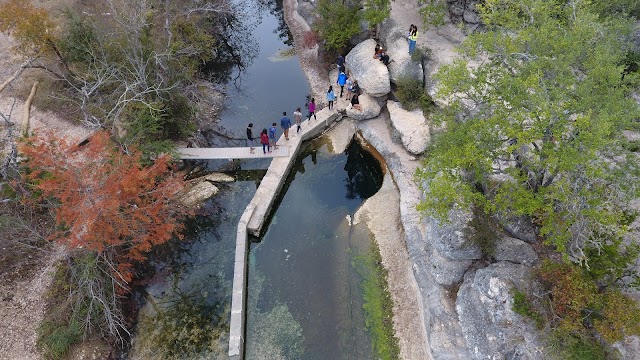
{"x":412,"y":95}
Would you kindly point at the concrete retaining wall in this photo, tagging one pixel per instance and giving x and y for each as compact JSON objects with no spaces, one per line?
{"x":255,"y":215}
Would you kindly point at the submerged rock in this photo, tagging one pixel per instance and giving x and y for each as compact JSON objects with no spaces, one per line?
{"x":372,"y":75}
{"x":219,"y":177}
{"x":412,"y":126}
{"x":490,"y":326}
{"x":198,"y":193}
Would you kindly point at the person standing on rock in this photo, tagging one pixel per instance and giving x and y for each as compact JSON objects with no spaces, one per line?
{"x":297,"y":116}
{"x":264,"y":140}
{"x":272,"y":135}
{"x":413,"y":37}
{"x":250,"y":137}
{"x":312,"y":109}
{"x":342,"y":79}
{"x":331,"y":97}
{"x":285,"y":124}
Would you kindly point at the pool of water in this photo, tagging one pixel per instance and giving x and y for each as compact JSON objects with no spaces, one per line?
{"x":305,"y":299}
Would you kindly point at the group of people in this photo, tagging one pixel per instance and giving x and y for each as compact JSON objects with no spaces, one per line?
{"x":268,"y":136}
{"x":353,"y":89}
{"x":412,"y":38}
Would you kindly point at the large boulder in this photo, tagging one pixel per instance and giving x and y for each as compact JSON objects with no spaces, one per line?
{"x":370,"y":108}
{"x":514,"y":250}
{"x":518,"y":226}
{"x":372,"y":75}
{"x":446,"y":271}
{"x":453,"y":239}
{"x":485,"y":309}
{"x":412,"y":126}
{"x":401,"y":65}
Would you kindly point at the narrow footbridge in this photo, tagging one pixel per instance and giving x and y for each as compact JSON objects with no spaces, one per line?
{"x":231,"y":153}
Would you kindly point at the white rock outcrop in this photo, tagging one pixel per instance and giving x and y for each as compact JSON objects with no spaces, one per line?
{"x":401,"y":65}
{"x":372,"y":75}
{"x":370,"y":108}
{"x":412,"y":126}
{"x":198,"y":193}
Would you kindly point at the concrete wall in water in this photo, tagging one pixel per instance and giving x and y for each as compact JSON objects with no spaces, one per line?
{"x":255,"y":215}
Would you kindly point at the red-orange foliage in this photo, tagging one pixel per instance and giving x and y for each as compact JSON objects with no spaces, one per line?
{"x":105,"y":200}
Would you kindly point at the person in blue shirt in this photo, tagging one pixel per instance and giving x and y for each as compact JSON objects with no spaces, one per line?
{"x":342,"y":79}
{"x":331,"y":97}
{"x":272,"y":135}
{"x":285,"y":123}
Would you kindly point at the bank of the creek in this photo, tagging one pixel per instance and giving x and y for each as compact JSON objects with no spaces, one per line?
{"x":306,"y":271}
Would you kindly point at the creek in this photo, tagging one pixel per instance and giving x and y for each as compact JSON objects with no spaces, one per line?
{"x":304,"y":300}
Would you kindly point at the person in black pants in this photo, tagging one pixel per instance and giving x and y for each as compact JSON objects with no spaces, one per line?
{"x":250,"y":137}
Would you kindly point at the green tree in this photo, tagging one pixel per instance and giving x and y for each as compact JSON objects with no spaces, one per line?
{"x":534,"y":128}
{"x":375,"y":12}
{"x":340,"y":22}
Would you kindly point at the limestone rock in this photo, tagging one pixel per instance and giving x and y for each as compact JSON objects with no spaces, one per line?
{"x":452,"y":240}
{"x":401,"y":65}
{"x":198,"y":193}
{"x":219,"y":177}
{"x":370,"y":108}
{"x":629,"y":347}
{"x":471,"y":17}
{"x":514,"y":250}
{"x":445,"y":271}
{"x":490,"y":326}
{"x":520,"y":227}
{"x":372,"y":75}
{"x":412,"y":126}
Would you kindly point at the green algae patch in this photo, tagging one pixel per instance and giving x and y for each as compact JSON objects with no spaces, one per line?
{"x":377,"y":304}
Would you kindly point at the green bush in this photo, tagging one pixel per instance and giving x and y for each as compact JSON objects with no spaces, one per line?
{"x":524,"y":307}
{"x":412,"y":95}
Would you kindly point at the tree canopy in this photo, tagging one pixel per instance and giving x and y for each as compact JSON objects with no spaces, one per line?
{"x":535,"y":127}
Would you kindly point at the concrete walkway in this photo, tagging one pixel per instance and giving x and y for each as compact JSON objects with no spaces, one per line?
{"x":255,"y":215}
{"x":231,"y":153}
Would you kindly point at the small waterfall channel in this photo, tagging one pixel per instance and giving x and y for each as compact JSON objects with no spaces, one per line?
{"x":304,"y":299}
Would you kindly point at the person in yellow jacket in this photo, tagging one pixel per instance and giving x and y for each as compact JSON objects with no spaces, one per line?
{"x":413,"y":37}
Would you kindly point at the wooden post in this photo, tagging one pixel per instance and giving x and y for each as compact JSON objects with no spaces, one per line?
{"x":27,"y":110}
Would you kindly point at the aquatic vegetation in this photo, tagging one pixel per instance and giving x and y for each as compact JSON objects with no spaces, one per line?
{"x":378,"y":306}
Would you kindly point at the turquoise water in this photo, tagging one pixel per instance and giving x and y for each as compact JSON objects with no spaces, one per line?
{"x":305,"y":299}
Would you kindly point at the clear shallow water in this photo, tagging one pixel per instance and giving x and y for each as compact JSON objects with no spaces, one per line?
{"x":304,"y":303}
{"x":305,"y":299}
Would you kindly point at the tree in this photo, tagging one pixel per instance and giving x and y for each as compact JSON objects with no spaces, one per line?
{"x":109,"y":211}
{"x":375,"y":12}
{"x":535,"y":128}
{"x":340,"y":22}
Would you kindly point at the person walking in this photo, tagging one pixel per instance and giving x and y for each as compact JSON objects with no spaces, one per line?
{"x":413,"y":37}
{"x":285,"y":124}
{"x":272,"y":135}
{"x":264,"y":140}
{"x":342,"y":79}
{"x":250,"y":137}
{"x":341,"y":64}
{"x":297,"y":116}
{"x":312,"y":109}
{"x":349,"y":87}
{"x":331,"y":97}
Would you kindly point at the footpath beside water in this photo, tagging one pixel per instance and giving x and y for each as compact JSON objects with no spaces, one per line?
{"x":256,"y":214}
